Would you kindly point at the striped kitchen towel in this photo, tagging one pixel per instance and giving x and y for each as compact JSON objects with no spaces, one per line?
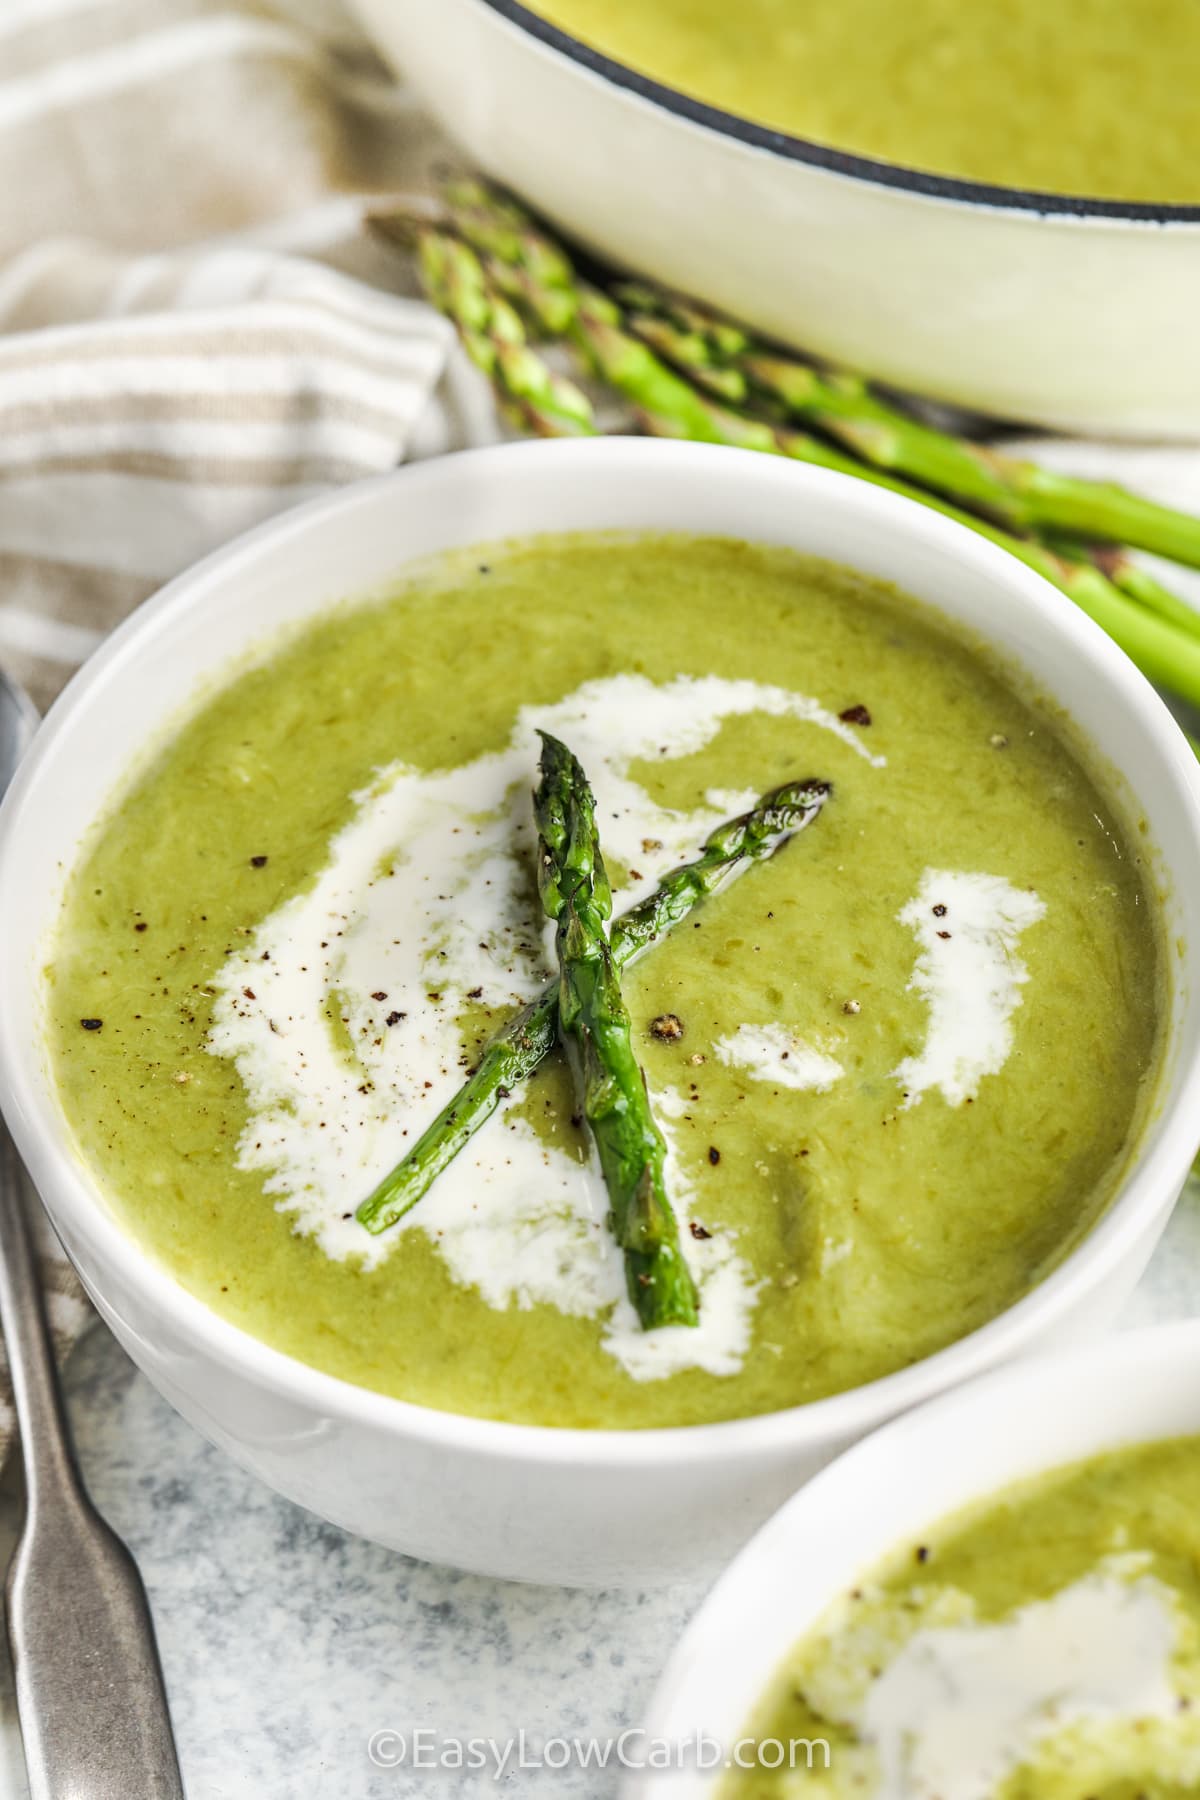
{"x":195,"y":329}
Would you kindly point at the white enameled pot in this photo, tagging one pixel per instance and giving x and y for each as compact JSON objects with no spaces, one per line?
{"x":541,"y":1504}
{"x":1065,"y":312}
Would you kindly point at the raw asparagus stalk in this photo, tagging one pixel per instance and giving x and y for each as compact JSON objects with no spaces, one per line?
{"x":495,"y":339}
{"x":1015,"y":493}
{"x":1140,"y":585}
{"x":1156,"y":629}
{"x":497,"y":226}
{"x":668,"y":405}
{"x":665,"y":403}
{"x":597,"y":1033}
{"x":525,"y":1041}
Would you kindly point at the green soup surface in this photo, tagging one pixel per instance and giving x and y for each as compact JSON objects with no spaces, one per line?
{"x":1086,"y":97}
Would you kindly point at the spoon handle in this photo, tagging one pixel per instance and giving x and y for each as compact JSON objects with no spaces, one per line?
{"x":90,"y":1694}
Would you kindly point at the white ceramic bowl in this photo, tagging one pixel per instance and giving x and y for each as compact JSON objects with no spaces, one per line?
{"x":511,"y":1500}
{"x":1132,"y":1388}
{"x":1070,"y":312}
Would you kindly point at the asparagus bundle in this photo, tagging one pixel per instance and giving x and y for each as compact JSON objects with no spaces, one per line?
{"x":689,"y":373}
{"x":595,"y":1027}
{"x":721,"y":359}
{"x":494,"y":337}
{"x":1014,"y":493}
{"x":527,"y":1038}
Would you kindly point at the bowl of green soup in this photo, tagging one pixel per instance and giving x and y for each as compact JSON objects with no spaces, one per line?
{"x":863,"y":1054}
{"x":996,"y":1595}
{"x":994,"y":203}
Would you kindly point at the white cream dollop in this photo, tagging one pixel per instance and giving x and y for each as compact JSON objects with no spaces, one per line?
{"x":968,"y":927}
{"x":963,"y":1706}
{"x":775,"y":1054}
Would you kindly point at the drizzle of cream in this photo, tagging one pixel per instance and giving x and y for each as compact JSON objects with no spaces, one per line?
{"x":968,"y":971}
{"x":962,"y":1706}
{"x":775,"y":1054}
{"x":425,"y":905}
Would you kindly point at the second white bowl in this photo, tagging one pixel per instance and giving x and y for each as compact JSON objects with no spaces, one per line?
{"x":893,"y":1489}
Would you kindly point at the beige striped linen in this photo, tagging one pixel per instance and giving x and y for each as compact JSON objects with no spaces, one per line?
{"x":196,"y":330}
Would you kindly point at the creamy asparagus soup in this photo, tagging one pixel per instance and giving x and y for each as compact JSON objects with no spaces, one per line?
{"x":1042,"y":1646}
{"x":1088,"y":97}
{"x":898,"y":1033}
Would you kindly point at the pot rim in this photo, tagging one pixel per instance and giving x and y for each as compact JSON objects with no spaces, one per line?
{"x":980,"y":195}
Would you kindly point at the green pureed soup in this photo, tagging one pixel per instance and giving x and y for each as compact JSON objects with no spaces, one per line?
{"x":1044,"y":1645}
{"x":1087,"y":97}
{"x":903,"y":1061}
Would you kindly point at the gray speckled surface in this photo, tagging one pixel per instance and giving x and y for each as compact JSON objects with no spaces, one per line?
{"x":287,"y":1644}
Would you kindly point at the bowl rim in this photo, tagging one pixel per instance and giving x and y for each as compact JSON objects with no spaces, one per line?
{"x":1123,"y":1359}
{"x":875,"y":172}
{"x":36,"y":1118}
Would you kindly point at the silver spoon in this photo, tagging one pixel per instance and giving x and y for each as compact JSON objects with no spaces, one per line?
{"x":93,"y":1710}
